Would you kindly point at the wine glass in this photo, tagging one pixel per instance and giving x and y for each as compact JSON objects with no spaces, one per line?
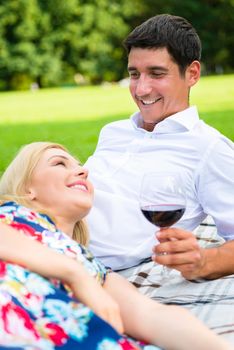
{"x":162,"y":202}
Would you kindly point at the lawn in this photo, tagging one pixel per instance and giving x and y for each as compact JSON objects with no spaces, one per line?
{"x":74,"y":116}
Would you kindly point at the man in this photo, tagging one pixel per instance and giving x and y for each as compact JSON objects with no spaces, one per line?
{"x":165,"y":135}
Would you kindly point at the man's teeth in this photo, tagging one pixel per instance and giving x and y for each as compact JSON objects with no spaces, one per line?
{"x":80,"y":187}
{"x":148,"y":102}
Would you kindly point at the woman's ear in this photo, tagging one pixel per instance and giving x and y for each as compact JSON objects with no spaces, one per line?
{"x":30,"y":193}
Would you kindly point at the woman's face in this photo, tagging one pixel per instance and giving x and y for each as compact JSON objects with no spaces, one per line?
{"x":59,"y":185}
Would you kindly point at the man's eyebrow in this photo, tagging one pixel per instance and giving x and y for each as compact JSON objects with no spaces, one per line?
{"x":131,"y":68}
{"x":150,"y":68}
{"x":159,"y":68}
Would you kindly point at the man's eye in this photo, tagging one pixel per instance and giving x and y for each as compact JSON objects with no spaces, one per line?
{"x":134,"y":75}
{"x":157,"y":75}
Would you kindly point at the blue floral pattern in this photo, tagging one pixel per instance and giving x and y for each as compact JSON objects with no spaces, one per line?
{"x":41,"y":314}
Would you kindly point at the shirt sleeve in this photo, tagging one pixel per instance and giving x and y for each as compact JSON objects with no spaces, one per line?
{"x":21,"y":219}
{"x":38,"y":227}
{"x":215,"y":185}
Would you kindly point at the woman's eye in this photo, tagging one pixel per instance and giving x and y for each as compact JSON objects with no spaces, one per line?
{"x":60,"y":163}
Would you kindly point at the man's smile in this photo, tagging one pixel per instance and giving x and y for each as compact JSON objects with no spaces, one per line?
{"x":146,"y":102}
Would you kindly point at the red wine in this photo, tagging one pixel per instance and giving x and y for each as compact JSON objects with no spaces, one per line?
{"x":163,"y":215}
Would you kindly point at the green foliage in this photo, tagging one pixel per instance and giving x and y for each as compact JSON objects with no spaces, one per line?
{"x":26,"y":56}
{"x":50,"y":41}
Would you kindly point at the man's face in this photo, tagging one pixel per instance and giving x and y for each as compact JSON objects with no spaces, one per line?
{"x":156,"y":84}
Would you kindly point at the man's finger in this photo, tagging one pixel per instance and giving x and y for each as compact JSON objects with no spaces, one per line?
{"x":177,"y":246}
{"x":176,"y":233}
{"x":193,"y":257}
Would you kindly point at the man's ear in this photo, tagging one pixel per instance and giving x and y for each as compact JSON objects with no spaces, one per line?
{"x":193,"y":73}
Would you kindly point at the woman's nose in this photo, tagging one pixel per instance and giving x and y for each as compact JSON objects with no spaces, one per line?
{"x":81,"y":171}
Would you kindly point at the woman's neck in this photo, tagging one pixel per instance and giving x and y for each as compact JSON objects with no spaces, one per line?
{"x":65,"y":225}
{"x":62,"y":223}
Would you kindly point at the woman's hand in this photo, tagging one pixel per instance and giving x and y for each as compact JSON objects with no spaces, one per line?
{"x":91,"y":293}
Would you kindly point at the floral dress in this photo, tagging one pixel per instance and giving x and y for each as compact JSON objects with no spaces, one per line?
{"x":40,"y":314}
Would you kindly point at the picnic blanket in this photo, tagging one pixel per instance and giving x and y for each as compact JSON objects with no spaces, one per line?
{"x":211,"y":301}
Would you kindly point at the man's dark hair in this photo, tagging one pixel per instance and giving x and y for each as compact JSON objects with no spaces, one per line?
{"x":174,"y":33}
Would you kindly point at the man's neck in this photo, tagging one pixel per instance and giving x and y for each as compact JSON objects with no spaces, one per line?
{"x":148,"y":126}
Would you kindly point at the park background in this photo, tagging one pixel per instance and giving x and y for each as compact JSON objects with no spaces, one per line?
{"x":63,"y":67}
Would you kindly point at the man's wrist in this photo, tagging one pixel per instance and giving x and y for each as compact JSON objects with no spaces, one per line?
{"x":209,"y":268}
{"x":218,"y":261}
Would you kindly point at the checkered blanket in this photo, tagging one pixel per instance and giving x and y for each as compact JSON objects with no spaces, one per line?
{"x":211,"y":301}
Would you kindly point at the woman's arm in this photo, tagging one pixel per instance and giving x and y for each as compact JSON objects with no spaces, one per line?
{"x":170,"y":327}
{"x":18,"y":249}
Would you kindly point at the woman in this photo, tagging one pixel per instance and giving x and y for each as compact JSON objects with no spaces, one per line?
{"x":45,"y":195}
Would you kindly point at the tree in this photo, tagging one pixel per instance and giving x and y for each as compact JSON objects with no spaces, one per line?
{"x":24,"y":53}
{"x":33,"y":34}
{"x":50,"y":41}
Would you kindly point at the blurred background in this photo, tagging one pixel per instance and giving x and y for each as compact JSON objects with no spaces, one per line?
{"x":63,"y":67}
{"x":46,"y":43}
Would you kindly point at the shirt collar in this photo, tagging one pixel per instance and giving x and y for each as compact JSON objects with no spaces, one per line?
{"x":178,"y":122}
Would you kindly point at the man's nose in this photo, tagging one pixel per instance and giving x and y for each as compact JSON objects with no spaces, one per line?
{"x":143,"y":87}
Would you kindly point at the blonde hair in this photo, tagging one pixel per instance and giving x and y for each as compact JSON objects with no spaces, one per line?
{"x":16,"y":177}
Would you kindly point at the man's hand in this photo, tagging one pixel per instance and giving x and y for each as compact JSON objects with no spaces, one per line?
{"x":179,"y":249}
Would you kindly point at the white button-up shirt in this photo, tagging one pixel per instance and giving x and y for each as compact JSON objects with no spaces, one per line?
{"x":120,"y":235}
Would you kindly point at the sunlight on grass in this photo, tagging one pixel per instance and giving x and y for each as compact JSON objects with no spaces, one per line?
{"x":75,"y":116}
{"x":215,"y":93}
{"x":64,"y":104}
{"x":214,"y":97}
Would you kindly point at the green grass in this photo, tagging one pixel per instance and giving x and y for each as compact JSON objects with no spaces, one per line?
{"x":62,"y":104}
{"x":75,"y":116}
{"x":215,"y":98}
